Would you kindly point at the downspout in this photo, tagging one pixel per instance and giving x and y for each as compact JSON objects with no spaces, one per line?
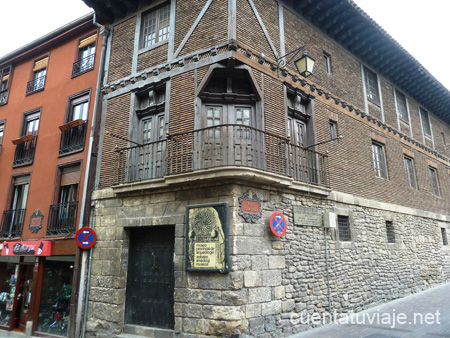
{"x":325,"y":232}
{"x":105,"y":32}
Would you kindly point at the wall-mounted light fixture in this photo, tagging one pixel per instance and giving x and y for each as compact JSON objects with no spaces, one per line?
{"x":304,"y":65}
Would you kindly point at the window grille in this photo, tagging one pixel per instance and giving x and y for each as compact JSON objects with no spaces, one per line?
{"x":344,"y":228}
{"x":390,"y":232}
{"x":444,"y":236}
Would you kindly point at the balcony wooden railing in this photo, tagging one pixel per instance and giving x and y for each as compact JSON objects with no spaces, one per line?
{"x":62,"y":218}
{"x":221,"y":146}
{"x":73,"y":138}
{"x":12,"y":223}
{"x":83,"y":65}
{"x":25,"y":151}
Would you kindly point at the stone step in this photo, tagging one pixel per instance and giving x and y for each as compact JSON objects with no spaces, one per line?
{"x":136,"y":331}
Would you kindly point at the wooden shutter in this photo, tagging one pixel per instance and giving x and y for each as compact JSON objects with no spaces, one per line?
{"x":5,"y":78}
{"x":70,"y":175}
{"x":87,"y":41}
{"x":41,"y":64}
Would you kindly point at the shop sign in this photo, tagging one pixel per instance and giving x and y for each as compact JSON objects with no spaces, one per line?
{"x":278,"y":224}
{"x":36,"y":221}
{"x":307,"y":216}
{"x":85,"y":238}
{"x":207,"y":238}
{"x":250,"y":206}
{"x":31,"y":248}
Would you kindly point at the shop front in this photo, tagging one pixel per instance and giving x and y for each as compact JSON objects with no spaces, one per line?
{"x":35,"y":288}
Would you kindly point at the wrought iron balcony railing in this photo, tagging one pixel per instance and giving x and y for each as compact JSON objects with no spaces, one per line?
{"x":3,"y":97}
{"x":73,"y":139}
{"x":221,"y":146}
{"x":62,"y":218}
{"x":36,"y":84}
{"x":12,"y":223}
{"x":25,"y":152}
{"x":83,"y":65}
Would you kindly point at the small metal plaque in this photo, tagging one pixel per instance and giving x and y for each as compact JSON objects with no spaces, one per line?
{"x":36,"y":221}
{"x":307,"y":216}
{"x":250,"y":206}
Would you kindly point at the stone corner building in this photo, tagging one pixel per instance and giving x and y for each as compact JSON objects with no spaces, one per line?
{"x":196,"y":118}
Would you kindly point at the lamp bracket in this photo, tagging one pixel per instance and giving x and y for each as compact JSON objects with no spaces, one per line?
{"x":281,"y":63}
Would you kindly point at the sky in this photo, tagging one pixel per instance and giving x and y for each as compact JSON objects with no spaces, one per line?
{"x":422,"y":28}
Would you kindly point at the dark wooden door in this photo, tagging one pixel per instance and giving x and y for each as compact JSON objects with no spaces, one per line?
{"x":149,"y":295}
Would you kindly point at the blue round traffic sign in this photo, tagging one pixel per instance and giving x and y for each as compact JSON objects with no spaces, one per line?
{"x":85,"y":238}
{"x":278,"y":224}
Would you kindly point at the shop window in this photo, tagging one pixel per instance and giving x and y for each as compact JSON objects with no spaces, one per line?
{"x":73,"y":132}
{"x":434,"y":180}
{"x":155,"y":26}
{"x":4,"y":85}
{"x":379,"y":160}
{"x":9,"y":270}
{"x":371,"y":85}
{"x":39,"y":74}
{"x":409,"y":169}
{"x":390,"y":235}
{"x":13,"y":217}
{"x":85,"y":55}
{"x":54,"y":307}
{"x":63,"y":214}
{"x":26,"y":144}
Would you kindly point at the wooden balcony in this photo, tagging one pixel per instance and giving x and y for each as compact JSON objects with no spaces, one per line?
{"x":223,"y":146}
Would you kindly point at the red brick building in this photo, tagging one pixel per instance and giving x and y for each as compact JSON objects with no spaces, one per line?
{"x":48,"y":90}
{"x":209,"y":139}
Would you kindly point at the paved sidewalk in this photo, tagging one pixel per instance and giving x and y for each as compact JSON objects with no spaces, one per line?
{"x":421,"y":315}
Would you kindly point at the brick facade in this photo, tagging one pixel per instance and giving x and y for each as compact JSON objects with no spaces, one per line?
{"x":270,"y":278}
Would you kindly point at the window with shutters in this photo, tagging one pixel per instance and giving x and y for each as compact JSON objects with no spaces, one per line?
{"x":13,"y":217}
{"x":5,"y":74}
{"x":73,"y":132}
{"x":155,"y":26}
{"x":402,"y":106}
{"x":63,"y":214}
{"x":39,"y":73}
{"x":26,"y":143}
{"x":85,"y":55}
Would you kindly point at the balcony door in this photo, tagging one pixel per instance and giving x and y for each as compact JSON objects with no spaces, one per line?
{"x":12,"y":221}
{"x":232,"y":142}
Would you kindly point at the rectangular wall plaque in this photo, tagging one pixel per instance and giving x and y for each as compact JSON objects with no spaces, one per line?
{"x":307,"y":216}
{"x":207,"y":238}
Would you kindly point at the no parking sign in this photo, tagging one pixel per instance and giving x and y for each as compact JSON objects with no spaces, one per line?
{"x":85,"y":238}
{"x":278,"y":224}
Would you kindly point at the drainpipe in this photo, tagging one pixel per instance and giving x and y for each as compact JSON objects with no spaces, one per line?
{"x":325,"y":232}
{"x":105,"y":32}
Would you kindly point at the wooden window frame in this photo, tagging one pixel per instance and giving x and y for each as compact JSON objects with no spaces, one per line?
{"x":157,"y":11}
{"x":379,"y":166}
{"x":372,"y":96}
{"x":434,"y":181}
{"x":410,"y":175}
{"x":327,"y":62}
{"x":425,"y":122}
{"x":398,"y":98}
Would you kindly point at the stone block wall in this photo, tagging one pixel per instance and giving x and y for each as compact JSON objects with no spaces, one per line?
{"x":272,"y":280}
